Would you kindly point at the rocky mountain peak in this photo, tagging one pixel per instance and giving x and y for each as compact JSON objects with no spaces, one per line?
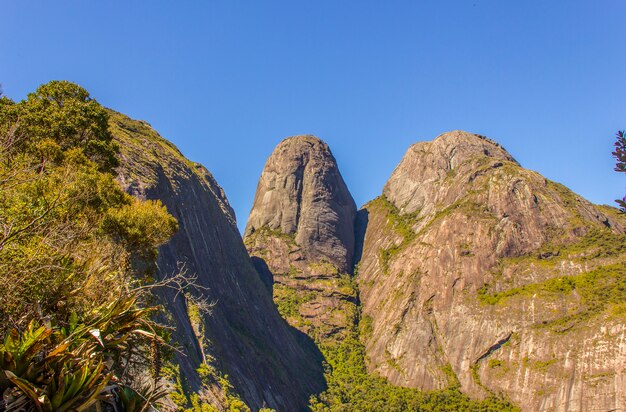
{"x":302,"y":193}
{"x":464,"y":144}
{"x":426,"y":164}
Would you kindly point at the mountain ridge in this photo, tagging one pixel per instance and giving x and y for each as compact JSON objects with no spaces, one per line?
{"x":468,"y":284}
{"x":435,"y":251}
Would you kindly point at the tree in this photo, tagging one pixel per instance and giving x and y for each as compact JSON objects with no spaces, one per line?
{"x":620,"y":166}
{"x":64,"y":112}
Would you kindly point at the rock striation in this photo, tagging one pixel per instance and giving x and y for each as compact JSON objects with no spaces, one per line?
{"x":268,"y":363}
{"x":473,"y":269}
{"x":300,"y":233}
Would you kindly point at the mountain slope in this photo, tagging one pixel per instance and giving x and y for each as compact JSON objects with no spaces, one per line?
{"x":473,"y":264}
{"x":267,"y":362}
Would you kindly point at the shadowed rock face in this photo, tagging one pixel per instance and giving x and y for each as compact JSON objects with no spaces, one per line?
{"x":268,"y":362}
{"x":458,"y":267}
{"x":302,"y":227}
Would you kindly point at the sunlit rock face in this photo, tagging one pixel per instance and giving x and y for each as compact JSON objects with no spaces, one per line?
{"x":460,"y":275}
{"x":302,"y":193}
{"x":472,"y":271}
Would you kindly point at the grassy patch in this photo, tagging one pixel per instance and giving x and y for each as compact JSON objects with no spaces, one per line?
{"x":540,"y":365}
{"x":346,"y":285}
{"x":265,"y":232}
{"x":324,"y":267}
{"x":453,"y":380}
{"x":495,"y":363}
{"x":288,"y":302}
{"x":597,"y":243}
{"x":400,"y":223}
{"x":599,"y":289}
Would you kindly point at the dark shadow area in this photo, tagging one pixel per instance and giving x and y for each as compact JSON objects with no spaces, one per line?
{"x":311,"y":347}
{"x":360,"y":226}
{"x":303,"y":340}
{"x":267,"y":277}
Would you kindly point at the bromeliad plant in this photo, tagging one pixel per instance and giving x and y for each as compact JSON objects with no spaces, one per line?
{"x":48,"y":368}
{"x":136,"y":400}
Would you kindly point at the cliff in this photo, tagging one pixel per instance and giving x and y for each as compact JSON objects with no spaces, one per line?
{"x":470,"y":263}
{"x":301,"y":235}
{"x":267,"y":362}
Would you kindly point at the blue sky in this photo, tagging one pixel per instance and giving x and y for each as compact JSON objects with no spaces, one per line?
{"x":227,"y":80}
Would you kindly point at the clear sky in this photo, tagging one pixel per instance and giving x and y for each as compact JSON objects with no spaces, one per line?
{"x":227,"y":80}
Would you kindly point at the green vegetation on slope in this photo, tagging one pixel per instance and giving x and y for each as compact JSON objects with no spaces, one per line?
{"x":139,"y":138}
{"x":597,"y":243}
{"x":352,"y":388}
{"x":399,"y":223}
{"x":311,"y":295}
{"x":599,"y":289}
{"x":262,"y":234}
{"x":74,"y":253}
{"x":288,"y":302}
{"x":212,"y":380}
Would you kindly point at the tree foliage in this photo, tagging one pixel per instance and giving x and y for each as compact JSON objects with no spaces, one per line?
{"x":74,"y":250}
{"x":352,"y":388}
{"x":63,"y":112}
{"x":620,"y":165}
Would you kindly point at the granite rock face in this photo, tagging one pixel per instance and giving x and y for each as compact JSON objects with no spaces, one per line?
{"x":302,"y":193}
{"x":471,"y":264}
{"x":268,"y":362}
{"x":301,"y":228}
